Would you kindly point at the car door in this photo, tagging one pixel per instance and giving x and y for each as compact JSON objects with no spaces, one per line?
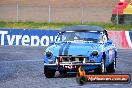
{"x":110,"y":51}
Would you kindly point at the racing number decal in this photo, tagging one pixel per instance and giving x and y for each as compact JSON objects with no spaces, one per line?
{"x":71,"y":67}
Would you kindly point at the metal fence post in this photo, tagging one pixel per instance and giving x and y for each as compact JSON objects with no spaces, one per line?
{"x":49,"y":12}
{"x":117,"y":16}
{"x":82,"y":15}
{"x":82,"y":12}
{"x":17,"y":18}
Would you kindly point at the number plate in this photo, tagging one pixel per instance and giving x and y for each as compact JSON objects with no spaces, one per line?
{"x":71,"y":66}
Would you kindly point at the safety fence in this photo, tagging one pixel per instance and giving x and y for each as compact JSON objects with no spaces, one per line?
{"x":115,"y":11}
{"x":57,"y":10}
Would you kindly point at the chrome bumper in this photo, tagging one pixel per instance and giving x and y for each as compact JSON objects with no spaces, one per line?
{"x":71,"y":64}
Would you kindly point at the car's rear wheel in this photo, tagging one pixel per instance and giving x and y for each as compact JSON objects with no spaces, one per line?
{"x":63,"y":72}
{"x":111,"y":68}
{"x":49,"y":73}
{"x":101,"y":68}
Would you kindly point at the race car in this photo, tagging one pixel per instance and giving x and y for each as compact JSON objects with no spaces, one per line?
{"x":85,"y":46}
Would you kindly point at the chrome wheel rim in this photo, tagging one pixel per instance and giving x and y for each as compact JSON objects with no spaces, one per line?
{"x":103,"y":66}
{"x":114,"y":64}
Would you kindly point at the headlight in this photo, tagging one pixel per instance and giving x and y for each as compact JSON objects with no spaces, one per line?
{"x":49,"y":54}
{"x":95,"y":53}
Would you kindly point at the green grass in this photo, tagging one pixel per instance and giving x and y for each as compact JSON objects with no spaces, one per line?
{"x":58,"y":25}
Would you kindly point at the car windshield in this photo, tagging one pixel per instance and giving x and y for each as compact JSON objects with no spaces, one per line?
{"x":79,"y":37}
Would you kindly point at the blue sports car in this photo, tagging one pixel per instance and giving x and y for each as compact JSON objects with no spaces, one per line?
{"x":75,"y":46}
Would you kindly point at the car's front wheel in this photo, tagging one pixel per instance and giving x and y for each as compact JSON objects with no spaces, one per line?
{"x":101,"y":68}
{"x":111,"y":68}
{"x":63,"y":72}
{"x":49,"y":73}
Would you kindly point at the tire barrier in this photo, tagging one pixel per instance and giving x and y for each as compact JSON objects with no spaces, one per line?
{"x":122,"y":13}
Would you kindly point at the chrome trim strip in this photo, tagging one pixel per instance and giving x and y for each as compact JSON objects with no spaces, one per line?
{"x":71,"y":64}
{"x":72,"y":56}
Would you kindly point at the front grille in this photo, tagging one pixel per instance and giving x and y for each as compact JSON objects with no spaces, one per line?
{"x":71,"y":58}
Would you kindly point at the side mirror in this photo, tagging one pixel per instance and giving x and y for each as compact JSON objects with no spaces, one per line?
{"x":51,"y":42}
{"x":109,"y":41}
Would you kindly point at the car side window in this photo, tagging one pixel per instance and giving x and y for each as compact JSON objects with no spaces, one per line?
{"x":58,"y":38}
{"x":104,"y":38}
{"x":105,"y":32}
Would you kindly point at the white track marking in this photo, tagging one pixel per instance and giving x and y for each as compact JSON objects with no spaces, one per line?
{"x":14,"y":61}
{"x":128,"y":38}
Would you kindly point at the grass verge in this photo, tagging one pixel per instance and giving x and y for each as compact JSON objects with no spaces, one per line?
{"x":59,"y":25}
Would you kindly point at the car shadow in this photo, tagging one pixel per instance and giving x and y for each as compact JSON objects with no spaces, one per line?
{"x":74,"y":74}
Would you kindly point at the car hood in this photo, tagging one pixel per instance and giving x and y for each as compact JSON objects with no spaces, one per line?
{"x":75,"y":49}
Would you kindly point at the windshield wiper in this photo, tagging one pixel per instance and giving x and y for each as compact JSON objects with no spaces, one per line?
{"x":88,"y":41}
{"x":66,"y":41}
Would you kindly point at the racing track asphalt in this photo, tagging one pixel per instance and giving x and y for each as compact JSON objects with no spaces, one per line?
{"x":22,"y":67}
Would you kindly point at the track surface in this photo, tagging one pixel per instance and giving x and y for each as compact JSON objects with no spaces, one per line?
{"x":22,"y":67}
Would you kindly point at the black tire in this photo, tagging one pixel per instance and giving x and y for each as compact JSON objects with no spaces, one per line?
{"x":63,"y":72}
{"x":49,"y":73}
{"x":101,"y":68}
{"x":120,"y":19}
{"x":111,"y":68}
{"x":127,"y":19}
{"x":113,"y":19}
{"x":81,"y":80}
